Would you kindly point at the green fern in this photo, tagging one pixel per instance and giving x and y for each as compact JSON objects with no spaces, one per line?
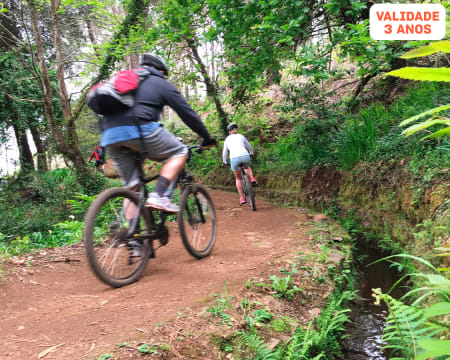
{"x":302,"y":344}
{"x":443,"y":46}
{"x":322,"y":343}
{"x":422,"y":73}
{"x":411,"y":331}
{"x":422,"y":51}
{"x":430,"y":112}
{"x":257,"y":346}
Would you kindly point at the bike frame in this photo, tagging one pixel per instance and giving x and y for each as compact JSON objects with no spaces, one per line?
{"x":143,"y":192}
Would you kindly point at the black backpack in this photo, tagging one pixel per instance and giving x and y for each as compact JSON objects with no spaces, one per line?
{"x":101,"y":154}
{"x":118,"y":93}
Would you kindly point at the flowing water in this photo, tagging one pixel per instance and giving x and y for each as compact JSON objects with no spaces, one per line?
{"x":368,"y":320}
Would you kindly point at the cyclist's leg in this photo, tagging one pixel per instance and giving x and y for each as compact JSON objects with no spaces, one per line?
{"x":249,"y":172}
{"x":172,"y":167}
{"x":164,"y":147}
{"x":235,"y":166}
{"x":124,"y":162}
{"x":248,"y":169}
{"x":239,"y":187}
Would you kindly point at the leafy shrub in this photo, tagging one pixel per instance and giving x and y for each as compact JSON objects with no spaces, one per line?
{"x":35,"y":201}
{"x":65,"y":233}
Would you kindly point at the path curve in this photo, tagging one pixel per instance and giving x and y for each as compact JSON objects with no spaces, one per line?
{"x":61,"y":304}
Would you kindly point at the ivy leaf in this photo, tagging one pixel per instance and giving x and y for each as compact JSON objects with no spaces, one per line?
{"x":423,"y":74}
{"x":422,"y":51}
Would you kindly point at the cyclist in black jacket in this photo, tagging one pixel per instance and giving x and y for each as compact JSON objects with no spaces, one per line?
{"x":120,"y":131}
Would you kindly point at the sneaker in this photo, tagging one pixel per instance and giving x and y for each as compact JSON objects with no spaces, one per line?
{"x":135,"y":248}
{"x":242,"y":201}
{"x":253,"y":181}
{"x":162,"y":203}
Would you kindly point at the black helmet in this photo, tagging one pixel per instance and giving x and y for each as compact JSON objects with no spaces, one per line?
{"x":231,"y":127}
{"x":156,"y":61}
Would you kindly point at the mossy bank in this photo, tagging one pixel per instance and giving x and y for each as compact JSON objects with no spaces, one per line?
{"x":385,"y":198}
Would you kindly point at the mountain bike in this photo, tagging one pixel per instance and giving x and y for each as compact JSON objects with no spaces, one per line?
{"x":121,"y":234}
{"x":249,"y":193}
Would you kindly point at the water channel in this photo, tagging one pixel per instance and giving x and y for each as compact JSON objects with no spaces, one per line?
{"x":368,"y":320}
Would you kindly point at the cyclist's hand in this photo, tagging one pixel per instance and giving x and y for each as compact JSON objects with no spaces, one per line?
{"x":207,"y":143}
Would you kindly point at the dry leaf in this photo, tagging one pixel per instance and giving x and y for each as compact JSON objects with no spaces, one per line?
{"x":49,"y":350}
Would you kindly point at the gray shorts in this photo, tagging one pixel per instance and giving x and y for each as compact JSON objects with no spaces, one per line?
{"x":161,"y":145}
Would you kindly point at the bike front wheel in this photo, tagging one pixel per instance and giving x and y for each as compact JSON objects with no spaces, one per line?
{"x":197,"y":221}
{"x":114,"y":253}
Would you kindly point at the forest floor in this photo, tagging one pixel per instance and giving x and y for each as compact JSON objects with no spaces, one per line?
{"x":53,"y":307}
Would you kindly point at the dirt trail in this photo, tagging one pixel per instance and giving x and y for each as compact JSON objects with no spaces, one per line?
{"x":62,"y":304}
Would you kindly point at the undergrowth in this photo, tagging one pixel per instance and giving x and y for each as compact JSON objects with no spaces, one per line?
{"x":42,"y":210}
{"x":341,"y":139}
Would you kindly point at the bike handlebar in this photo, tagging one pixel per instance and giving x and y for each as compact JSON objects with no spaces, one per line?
{"x":200,"y":148}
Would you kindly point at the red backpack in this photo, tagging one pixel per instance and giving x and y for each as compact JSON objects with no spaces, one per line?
{"x":116,"y":94}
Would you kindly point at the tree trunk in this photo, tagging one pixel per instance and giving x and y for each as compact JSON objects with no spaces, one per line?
{"x":211,"y":89}
{"x":25,"y":155}
{"x":213,"y":67}
{"x":57,"y":42}
{"x":364,"y":80}
{"x":67,"y":143}
{"x":272,"y":76}
{"x":41,"y":156}
{"x":92,"y":36}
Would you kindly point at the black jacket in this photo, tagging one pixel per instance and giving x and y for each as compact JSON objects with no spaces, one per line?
{"x":153,"y":93}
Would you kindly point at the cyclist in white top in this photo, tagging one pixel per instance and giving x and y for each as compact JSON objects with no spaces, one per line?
{"x":240,"y":150}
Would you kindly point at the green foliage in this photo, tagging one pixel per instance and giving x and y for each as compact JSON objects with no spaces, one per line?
{"x":322,"y":342}
{"x":258,"y":316}
{"x":422,"y":74}
{"x":80,"y":203}
{"x":216,"y":313}
{"x":419,"y":330}
{"x":257,"y":347}
{"x":256,"y":36}
{"x":105,"y":357}
{"x":427,"y":74}
{"x":44,"y":210}
{"x":430,"y":49}
{"x":33,"y":201}
{"x":410,"y":333}
{"x":60,"y":234}
{"x":284,"y":286}
{"x":145,"y":349}
{"x":343,"y":140}
{"x":281,"y":325}
{"x":371,"y":56}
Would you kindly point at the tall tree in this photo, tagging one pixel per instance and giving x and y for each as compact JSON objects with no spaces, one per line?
{"x":185,"y":23}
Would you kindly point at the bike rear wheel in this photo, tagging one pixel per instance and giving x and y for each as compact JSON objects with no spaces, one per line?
{"x":197,"y":221}
{"x":248,"y":191}
{"x":114,"y":255}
